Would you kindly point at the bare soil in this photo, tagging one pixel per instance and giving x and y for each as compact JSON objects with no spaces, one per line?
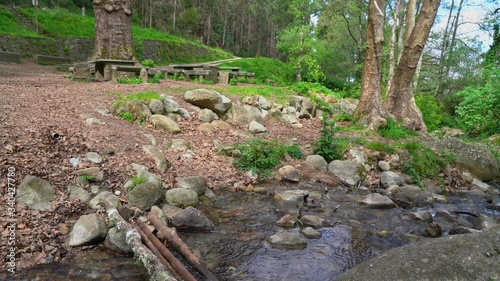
{"x":37,"y":100}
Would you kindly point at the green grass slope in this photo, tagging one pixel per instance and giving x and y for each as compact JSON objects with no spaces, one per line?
{"x":10,"y":25}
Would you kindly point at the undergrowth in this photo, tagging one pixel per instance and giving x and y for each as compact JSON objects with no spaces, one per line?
{"x":329,"y":146}
{"x":261,"y":156}
{"x":395,"y":131}
{"x":144,"y":97}
{"x":130,"y":80}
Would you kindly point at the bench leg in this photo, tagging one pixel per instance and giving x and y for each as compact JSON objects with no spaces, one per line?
{"x":114,"y":74}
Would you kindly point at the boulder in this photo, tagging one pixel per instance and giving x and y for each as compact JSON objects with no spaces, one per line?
{"x":410,"y":196}
{"x":240,"y":115}
{"x":79,"y":193}
{"x":134,"y":107}
{"x":475,"y":158}
{"x":288,"y":173}
{"x":389,"y":178}
{"x":88,"y":230}
{"x":196,"y":183}
{"x":181,"y":197}
{"x":93,"y":157}
{"x":376,"y":200}
{"x":358,"y":155}
{"x":170,"y":211}
{"x":103,"y":199}
{"x":179,"y":145}
{"x":256,"y":127}
{"x":142,"y":172}
{"x":312,"y":221}
{"x":164,"y":123}
{"x":296,"y":195}
{"x":317,"y":162}
{"x":145,"y":195}
{"x":115,"y":240}
{"x":350,"y":172}
{"x":206,"y":115}
{"x":170,"y":105}
{"x":156,"y":106}
{"x":287,"y":221}
{"x":310,"y":233}
{"x":206,"y":128}
{"x":384,"y":165}
{"x":433,"y":230}
{"x":460,"y":257}
{"x":160,"y":159}
{"x":287,"y":241}
{"x":208,"y":99}
{"x":93,"y":173}
{"x":192,"y":219}
{"x":35,"y":193}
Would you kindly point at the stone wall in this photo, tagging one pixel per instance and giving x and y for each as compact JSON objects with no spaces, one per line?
{"x":79,"y":49}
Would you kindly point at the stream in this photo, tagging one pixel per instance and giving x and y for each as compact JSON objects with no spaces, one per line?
{"x":239,"y":249}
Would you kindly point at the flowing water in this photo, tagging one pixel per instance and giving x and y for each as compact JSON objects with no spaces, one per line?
{"x":239,"y":248}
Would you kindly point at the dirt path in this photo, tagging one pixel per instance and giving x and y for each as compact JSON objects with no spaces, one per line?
{"x":37,"y":100}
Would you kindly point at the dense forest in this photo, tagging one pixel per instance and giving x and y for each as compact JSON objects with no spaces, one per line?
{"x":325,"y":41}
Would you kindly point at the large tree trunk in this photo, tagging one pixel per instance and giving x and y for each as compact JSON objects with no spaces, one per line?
{"x":400,"y":102}
{"x":370,"y":104}
{"x":113,"y":38}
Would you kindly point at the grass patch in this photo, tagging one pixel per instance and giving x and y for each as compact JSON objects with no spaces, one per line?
{"x":130,"y":80}
{"x":61,"y":23}
{"x":156,"y":78}
{"x":329,"y":146}
{"x":127,"y":116}
{"x":423,"y":162}
{"x":267,"y":70}
{"x":277,"y":94}
{"x":381,"y":147}
{"x":136,"y":181}
{"x":261,"y":156}
{"x":144,"y":97}
{"x":395,"y":131}
{"x":10,"y":25}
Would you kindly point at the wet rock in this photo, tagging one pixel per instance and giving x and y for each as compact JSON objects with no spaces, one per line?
{"x":296,"y":195}
{"x":94,"y":157}
{"x":221,"y":125}
{"x":310,"y":233}
{"x":206,"y":128}
{"x":208,"y":99}
{"x":357,"y":229}
{"x":439,"y":198}
{"x":134,"y":107}
{"x":35,"y":193}
{"x":260,"y":190}
{"x":192,"y":219}
{"x":206,"y":115}
{"x":104,"y":199}
{"x":312,"y":221}
{"x":79,"y":193}
{"x":181,"y":197}
{"x":164,"y":123}
{"x":383,"y":233}
{"x":287,"y":221}
{"x":157,"y":154}
{"x":256,"y":127}
{"x":288,"y":173}
{"x":88,"y":230}
{"x":350,"y":172}
{"x":317,"y":162}
{"x":384,"y":165}
{"x":314,"y":199}
{"x":196,"y":183}
{"x":475,"y":158}
{"x":156,"y":106}
{"x":145,"y":195}
{"x":115,"y":240}
{"x":287,"y":241}
{"x":410,"y":196}
{"x":93,"y":173}
{"x":458,"y":229}
{"x":170,"y":211}
{"x":389,"y":178}
{"x":430,"y":186}
{"x":423,"y":216}
{"x":484,"y":187}
{"x":376,"y":200}
{"x":433,"y":230}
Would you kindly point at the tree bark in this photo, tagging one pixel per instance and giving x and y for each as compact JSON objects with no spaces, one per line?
{"x":113,"y":39}
{"x":392,"y":47}
{"x":400,"y":102}
{"x":370,"y":104}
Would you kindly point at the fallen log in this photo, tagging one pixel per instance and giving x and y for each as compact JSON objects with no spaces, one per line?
{"x":176,"y":264}
{"x":157,"y":271}
{"x":170,"y":234}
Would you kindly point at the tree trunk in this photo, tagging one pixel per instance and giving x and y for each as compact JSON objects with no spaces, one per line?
{"x":400,"y":101}
{"x":392,"y":48}
{"x":113,"y":23}
{"x":370,"y":104}
{"x":175,"y":15}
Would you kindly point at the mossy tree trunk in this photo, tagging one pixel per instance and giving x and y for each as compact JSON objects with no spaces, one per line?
{"x":113,"y":22}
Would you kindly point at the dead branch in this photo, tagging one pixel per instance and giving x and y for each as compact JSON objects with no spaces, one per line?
{"x":170,"y":235}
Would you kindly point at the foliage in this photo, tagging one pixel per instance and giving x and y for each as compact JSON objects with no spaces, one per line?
{"x":233,"y":81}
{"x":156,"y":78}
{"x":329,"y":146}
{"x":382,"y":147}
{"x":61,"y":23}
{"x":312,"y":90}
{"x":267,"y":70}
{"x":148,"y":63}
{"x":395,"y":131}
{"x":278,"y":94}
{"x":144,"y":97}
{"x":423,"y":162}
{"x":434,"y":115}
{"x":130,"y":80}
{"x":207,"y":82}
{"x":10,"y":25}
{"x":127,"y":116}
{"x":261,"y":156}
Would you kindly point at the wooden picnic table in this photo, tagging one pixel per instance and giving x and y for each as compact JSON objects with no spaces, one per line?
{"x":103,"y":67}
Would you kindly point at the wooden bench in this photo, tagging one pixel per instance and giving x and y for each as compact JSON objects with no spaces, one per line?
{"x":140,"y":71}
{"x":202,"y":71}
{"x":225,"y":77}
{"x":229,"y":68}
{"x":103,"y":67}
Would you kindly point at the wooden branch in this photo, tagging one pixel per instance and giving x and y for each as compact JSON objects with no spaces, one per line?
{"x":170,"y":234}
{"x":176,"y":264}
{"x":157,"y":271}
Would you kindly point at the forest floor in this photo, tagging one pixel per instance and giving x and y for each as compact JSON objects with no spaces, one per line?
{"x":36,"y":100}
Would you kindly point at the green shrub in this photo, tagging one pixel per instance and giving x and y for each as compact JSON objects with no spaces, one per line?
{"x":144,"y":97}
{"x":148,"y":63}
{"x":329,"y":146}
{"x":423,"y":162}
{"x":433,"y":114}
{"x":207,"y":82}
{"x":395,"y":131}
{"x":130,"y":80}
{"x":136,"y":181}
{"x":127,"y":116}
{"x":156,"y":78}
{"x":233,"y":81}
{"x":267,"y":70}
{"x":261,"y":156}
{"x":382,"y":147}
